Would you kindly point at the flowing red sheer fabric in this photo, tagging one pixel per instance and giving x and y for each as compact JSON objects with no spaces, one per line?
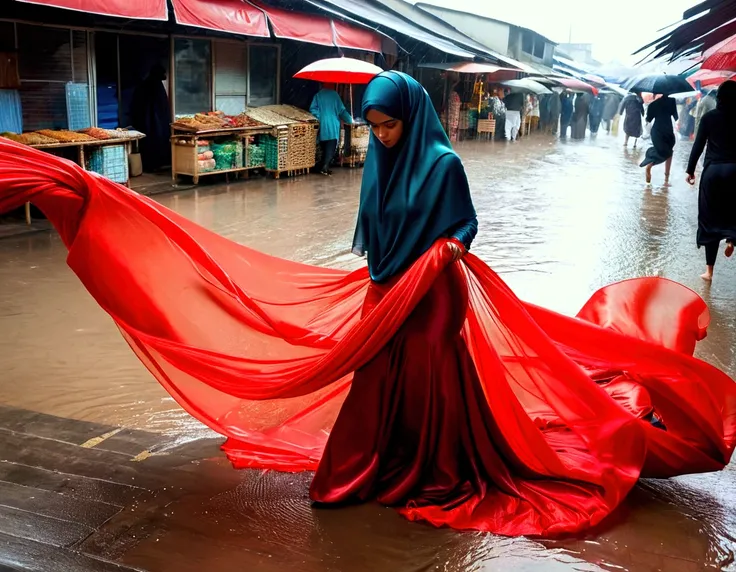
{"x":262,"y":350}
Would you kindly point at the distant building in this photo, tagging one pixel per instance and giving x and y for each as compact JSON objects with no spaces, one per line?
{"x":517,"y":42}
{"x":582,"y":53}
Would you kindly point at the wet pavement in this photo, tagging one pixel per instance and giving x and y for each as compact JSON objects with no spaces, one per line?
{"x":557,"y":220}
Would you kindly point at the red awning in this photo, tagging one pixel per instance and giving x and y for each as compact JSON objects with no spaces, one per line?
{"x":298,"y":26}
{"x":352,"y":37}
{"x":234,"y":16}
{"x":138,"y":9}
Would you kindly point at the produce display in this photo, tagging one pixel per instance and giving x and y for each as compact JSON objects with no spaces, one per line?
{"x":243,"y":120}
{"x":30,"y":138}
{"x":214,"y":120}
{"x":65,"y":136}
{"x":97,"y":133}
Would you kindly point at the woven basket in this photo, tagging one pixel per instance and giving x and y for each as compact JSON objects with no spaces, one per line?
{"x":302,"y":146}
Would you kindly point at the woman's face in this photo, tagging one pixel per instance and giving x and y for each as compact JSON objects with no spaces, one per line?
{"x":386,"y":129}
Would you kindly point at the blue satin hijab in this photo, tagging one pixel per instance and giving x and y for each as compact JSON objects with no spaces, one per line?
{"x":413,"y":193}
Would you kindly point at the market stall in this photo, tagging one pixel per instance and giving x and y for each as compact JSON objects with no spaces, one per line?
{"x":280,"y":139}
{"x":102,"y":151}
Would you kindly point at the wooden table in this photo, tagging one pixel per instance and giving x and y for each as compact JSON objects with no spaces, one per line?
{"x":80,"y":145}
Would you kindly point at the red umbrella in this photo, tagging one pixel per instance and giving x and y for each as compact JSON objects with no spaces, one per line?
{"x":721,"y":56}
{"x":575,"y":84}
{"x":709,"y":77}
{"x":339,"y":70}
{"x":591,"y":78}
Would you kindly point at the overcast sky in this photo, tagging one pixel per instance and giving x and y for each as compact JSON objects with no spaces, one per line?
{"x":614,"y":28}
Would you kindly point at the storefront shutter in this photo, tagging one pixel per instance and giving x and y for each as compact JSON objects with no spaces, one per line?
{"x":48,"y":59}
{"x":231,"y":64}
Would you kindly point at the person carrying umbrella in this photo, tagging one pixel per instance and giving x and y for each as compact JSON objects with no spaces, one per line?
{"x":329,"y":110}
{"x":716,"y":199}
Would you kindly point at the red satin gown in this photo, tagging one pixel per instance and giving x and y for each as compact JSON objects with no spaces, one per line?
{"x":468,"y":408}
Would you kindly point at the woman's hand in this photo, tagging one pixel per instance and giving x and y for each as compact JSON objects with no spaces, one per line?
{"x":690,"y":179}
{"x":457,"y":251}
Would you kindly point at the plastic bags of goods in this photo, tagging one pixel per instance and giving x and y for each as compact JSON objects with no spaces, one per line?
{"x":207,"y":165}
{"x":205,"y":156}
{"x":228,"y":154}
{"x":66,"y":136}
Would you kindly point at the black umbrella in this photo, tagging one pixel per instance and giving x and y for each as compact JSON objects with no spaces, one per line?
{"x":658,"y":83}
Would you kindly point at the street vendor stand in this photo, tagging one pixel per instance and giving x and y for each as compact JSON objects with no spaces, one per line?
{"x":186,"y":146}
{"x":106,"y":157}
{"x":279,"y":139}
{"x":471,"y":117}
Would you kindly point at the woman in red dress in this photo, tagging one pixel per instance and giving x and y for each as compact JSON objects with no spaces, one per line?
{"x":421,"y":381}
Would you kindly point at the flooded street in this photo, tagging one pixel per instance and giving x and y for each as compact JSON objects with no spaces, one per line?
{"x":557,"y":220}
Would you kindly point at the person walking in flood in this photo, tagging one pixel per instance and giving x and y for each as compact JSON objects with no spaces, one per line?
{"x":717,"y":195}
{"x":329,"y":110}
{"x":580,"y":116}
{"x":610,"y":109}
{"x":662,"y":111}
{"x":514,"y":106}
{"x":596,"y":114}
{"x":707,"y":103}
{"x":633,"y":107}
{"x":554,"y":103}
{"x":565,"y":113}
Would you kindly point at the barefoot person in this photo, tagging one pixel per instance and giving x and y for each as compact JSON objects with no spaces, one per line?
{"x":717,"y":196}
{"x":661,"y":111}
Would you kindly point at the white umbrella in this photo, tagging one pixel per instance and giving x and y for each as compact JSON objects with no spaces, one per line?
{"x":526,"y":85}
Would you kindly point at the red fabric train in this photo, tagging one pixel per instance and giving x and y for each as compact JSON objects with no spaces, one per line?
{"x":262,"y":351}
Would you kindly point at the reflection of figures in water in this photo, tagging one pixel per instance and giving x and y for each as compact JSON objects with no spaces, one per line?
{"x":662,"y":111}
{"x":151,"y":114}
{"x":717,"y":195}
{"x":633,"y":107}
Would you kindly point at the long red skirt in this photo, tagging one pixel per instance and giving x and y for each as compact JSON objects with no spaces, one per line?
{"x":468,"y":408}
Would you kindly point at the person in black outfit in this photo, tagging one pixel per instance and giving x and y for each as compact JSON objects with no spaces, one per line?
{"x":661,"y":111}
{"x":717,"y":196}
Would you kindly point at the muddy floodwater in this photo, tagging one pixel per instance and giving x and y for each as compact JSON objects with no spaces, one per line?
{"x":557,"y":220}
